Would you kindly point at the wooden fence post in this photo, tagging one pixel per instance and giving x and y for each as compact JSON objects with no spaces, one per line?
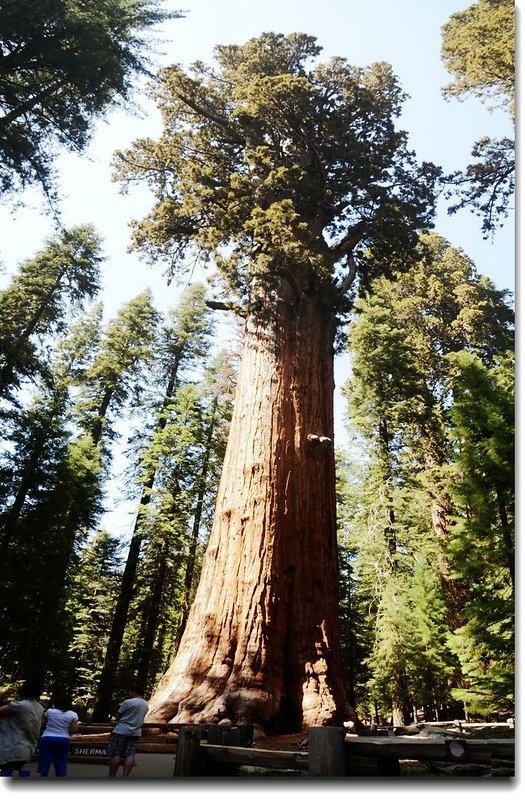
{"x":188,"y":759}
{"x":232,"y":735}
{"x":326,"y":752}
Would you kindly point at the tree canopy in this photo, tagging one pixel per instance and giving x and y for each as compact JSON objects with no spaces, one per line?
{"x":42,"y":297}
{"x":62,"y":63}
{"x":478,"y":48}
{"x":278,"y":171}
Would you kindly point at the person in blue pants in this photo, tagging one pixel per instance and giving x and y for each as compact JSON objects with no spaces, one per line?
{"x":53,"y":746}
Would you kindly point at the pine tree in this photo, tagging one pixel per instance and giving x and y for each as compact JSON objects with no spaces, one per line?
{"x":44,"y":468}
{"x":30,"y":431}
{"x":42,"y":299}
{"x":478,"y":50}
{"x":62,"y":64}
{"x":401,"y":376}
{"x":90,"y":605}
{"x":56,"y":517}
{"x":400,"y":391}
{"x":180,"y":518}
{"x":183,"y":343}
{"x":481,"y":545}
{"x":112,"y":379}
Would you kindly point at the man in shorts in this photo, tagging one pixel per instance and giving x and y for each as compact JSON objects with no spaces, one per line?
{"x":127,"y":732}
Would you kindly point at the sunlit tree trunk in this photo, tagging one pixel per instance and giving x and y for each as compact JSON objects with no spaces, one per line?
{"x":262,"y":640}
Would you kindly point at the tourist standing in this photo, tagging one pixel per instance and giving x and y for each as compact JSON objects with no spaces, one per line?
{"x":53,"y":747}
{"x":126,"y":733}
{"x":20,"y":726}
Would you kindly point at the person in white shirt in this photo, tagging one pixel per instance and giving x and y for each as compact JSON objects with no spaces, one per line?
{"x":126,"y":733}
{"x":20,"y":725}
{"x":53,"y":747}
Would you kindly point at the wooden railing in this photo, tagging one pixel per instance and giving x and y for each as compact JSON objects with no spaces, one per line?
{"x":206,"y":750}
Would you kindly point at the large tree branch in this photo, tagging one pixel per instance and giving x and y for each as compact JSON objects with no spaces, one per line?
{"x":348,"y":280}
{"x":345,"y":248}
{"x":203,"y":110}
{"x":185,"y":91}
{"x":219,"y":305}
{"x":352,"y":238}
{"x":29,"y":104}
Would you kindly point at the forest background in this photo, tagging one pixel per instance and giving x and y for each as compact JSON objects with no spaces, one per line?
{"x":405,"y":34}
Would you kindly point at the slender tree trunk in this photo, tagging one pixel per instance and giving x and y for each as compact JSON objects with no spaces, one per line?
{"x":96,"y":430}
{"x":12,"y":515}
{"x":262,"y":643}
{"x":386,"y":466}
{"x":108,"y":674}
{"x":454,"y":594}
{"x":506,"y":533}
{"x":189,"y":573}
{"x":152,"y":618}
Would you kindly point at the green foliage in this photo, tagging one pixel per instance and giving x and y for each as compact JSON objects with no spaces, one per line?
{"x":396,"y":637}
{"x":402,"y":334}
{"x":409,"y":662}
{"x":56,"y":501}
{"x":189,"y":331}
{"x":169,"y":449}
{"x":62,"y":64}
{"x":278,"y":172}
{"x":408,"y":520}
{"x":478,"y":48}
{"x":481,"y":544}
{"x":91,"y":600}
{"x":187,"y":454}
{"x":112,"y":378}
{"x":487,"y":185}
{"x":56,"y":471}
{"x":41,"y":299}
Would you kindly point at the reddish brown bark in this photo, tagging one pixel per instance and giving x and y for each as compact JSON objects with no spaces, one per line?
{"x":262,"y":640}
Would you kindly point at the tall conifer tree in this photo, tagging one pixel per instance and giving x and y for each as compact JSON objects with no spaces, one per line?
{"x":283,"y":173}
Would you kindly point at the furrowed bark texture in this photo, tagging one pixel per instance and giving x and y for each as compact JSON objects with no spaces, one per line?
{"x":262,"y":640}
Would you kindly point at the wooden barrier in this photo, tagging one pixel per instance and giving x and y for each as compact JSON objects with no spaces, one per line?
{"x":189,"y":757}
{"x":326,"y":752}
{"x":479,"y":751}
{"x":256,"y":757}
{"x":91,"y":741}
{"x":195,"y":758}
{"x":214,"y":750}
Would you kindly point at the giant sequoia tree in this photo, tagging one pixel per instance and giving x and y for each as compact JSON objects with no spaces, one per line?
{"x":293,"y":180}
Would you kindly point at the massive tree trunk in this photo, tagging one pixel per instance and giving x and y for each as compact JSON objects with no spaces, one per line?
{"x":262,"y":640}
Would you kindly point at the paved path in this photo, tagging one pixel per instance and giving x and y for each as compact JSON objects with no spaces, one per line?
{"x":148,"y":766}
